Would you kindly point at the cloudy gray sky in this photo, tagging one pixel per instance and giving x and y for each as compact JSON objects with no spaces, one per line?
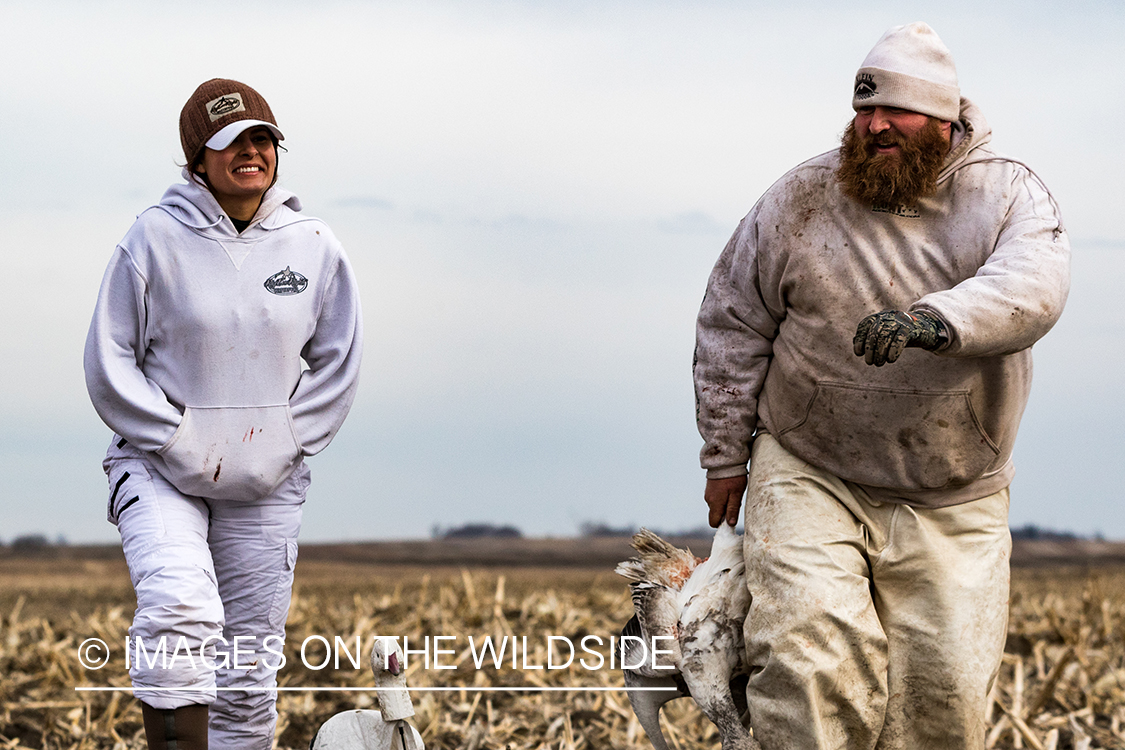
{"x":533,"y":195}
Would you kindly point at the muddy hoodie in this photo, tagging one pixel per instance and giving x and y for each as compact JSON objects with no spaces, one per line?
{"x":195,"y":351}
{"x":986,"y":253}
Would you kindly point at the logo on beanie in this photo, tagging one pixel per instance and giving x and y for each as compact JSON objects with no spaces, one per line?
{"x":286,"y":282}
{"x":864,"y":86}
{"x":224,"y":105}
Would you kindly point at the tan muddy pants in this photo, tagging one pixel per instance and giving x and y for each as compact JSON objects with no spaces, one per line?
{"x":873,"y":625}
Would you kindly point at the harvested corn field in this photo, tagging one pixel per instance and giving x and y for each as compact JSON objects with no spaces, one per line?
{"x":1062,"y":684}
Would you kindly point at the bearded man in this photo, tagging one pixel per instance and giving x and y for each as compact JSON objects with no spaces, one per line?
{"x":864,"y":344}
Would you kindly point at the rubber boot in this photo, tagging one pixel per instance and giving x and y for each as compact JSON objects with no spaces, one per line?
{"x":183,"y":728}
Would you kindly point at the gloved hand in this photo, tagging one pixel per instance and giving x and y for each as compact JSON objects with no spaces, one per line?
{"x":881,"y":337}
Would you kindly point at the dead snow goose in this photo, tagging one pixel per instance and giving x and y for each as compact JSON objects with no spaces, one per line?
{"x":699,"y":606}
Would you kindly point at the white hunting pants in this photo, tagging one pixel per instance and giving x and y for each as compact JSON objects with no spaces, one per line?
{"x":207,"y":572}
{"x":873,"y":625}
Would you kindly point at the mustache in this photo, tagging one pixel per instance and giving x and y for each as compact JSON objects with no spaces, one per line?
{"x":886,"y":138}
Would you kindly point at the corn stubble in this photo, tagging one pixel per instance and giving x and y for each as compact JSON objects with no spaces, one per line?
{"x":1062,"y":684}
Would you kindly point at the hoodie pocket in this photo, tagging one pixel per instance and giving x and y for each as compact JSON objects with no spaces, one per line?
{"x":230,"y":453}
{"x":895,"y":438}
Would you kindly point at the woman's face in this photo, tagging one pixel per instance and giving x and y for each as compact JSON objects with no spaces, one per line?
{"x":244,"y":170}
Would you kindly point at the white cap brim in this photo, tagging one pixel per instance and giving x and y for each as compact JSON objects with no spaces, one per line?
{"x":226,"y":136}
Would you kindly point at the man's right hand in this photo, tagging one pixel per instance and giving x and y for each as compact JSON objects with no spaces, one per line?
{"x":881,"y":337}
{"x":724,"y":498}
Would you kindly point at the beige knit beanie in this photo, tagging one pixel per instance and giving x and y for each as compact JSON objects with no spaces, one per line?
{"x":218,"y":112}
{"x":910,"y":68}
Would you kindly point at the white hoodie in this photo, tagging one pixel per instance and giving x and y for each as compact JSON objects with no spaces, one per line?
{"x":986,"y":253}
{"x":195,"y":351}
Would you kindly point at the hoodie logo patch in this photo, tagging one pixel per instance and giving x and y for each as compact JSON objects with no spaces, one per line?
{"x":865,"y":86}
{"x":286,"y":282}
{"x":225,"y":105}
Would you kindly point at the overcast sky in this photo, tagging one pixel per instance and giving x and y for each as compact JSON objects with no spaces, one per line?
{"x":533,"y":195}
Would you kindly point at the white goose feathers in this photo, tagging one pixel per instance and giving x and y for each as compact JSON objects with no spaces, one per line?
{"x":699,"y":607}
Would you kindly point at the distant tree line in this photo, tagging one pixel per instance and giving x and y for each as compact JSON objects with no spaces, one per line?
{"x":476,"y":531}
{"x":1032,"y":531}
{"x":599,"y":529}
{"x":588,"y":529}
{"x":33,"y":542}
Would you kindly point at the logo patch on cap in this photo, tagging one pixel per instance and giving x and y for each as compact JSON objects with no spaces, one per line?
{"x":864,"y":86}
{"x":286,"y":282}
{"x":224,"y":105}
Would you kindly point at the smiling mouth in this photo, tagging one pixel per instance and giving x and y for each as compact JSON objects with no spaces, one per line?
{"x":884,"y":149}
{"x":247,"y":170}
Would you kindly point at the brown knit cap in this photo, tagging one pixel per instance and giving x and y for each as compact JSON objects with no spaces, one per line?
{"x":216,"y":104}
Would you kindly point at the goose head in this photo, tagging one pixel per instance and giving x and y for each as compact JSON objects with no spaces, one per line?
{"x":389,"y":669}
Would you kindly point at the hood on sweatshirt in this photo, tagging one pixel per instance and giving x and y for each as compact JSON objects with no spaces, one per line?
{"x":194,"y":206}
{"x":971,"y":132}
{"x":968,"y":148}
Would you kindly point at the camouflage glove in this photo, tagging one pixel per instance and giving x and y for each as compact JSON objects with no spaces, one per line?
{"x":880,"y":338}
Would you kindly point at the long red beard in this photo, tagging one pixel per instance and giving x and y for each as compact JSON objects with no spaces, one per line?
{"x":891,"y":179}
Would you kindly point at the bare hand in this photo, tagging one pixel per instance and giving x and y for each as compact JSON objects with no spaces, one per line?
{"x":724,"y":498}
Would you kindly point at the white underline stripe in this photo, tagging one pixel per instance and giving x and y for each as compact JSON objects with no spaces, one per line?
{"x":516,"y":689}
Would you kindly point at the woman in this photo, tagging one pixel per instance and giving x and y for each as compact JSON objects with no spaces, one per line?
{"x":225,"y":347}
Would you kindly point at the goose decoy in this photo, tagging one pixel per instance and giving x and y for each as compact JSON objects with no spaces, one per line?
{"x":386,"y":729}
{"x":697,"y":607}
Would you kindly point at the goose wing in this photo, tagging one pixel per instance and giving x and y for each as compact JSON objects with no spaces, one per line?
{"x":657,"y":612}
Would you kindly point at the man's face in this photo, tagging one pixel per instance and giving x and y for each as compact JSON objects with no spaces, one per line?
{"x":877,"y":121}
{"x":892,"y":156}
